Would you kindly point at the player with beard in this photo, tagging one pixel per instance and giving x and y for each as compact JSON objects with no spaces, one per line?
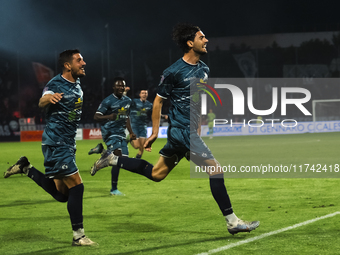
{"x":184,"y":115}
{"x":62,"y":100}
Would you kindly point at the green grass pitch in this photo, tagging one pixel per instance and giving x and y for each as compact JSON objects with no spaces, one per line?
{"x":179,"y":215}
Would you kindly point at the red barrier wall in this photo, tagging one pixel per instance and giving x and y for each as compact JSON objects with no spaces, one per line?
{"x":31,"y":136}
{"x":93,"y":133}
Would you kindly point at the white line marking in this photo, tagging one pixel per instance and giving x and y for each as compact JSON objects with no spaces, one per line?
{"x":229,"y":246}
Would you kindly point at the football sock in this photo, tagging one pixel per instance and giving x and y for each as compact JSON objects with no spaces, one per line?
{"x":79,"y":233}
{"x":47,"y":184}
{"x":75,"y":206}
{"x":231,"y":218}
{"x":114,"y":177}
{"x":139,"y":166}
{"x":220,"y":194}
{"x":138,"y":156}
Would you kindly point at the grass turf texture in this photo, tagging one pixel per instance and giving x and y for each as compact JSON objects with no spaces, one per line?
{"x":178,"y":215}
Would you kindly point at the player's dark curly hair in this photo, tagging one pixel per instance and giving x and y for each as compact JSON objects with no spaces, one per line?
{"x":66,"y":56}
{"x":184,"y":32}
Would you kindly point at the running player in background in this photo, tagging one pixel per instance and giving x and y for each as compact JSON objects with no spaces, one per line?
{"x":139,"y":116}
{"x":62,"y":100}
{"x":183,"y":139}
{"x":113,"y":115}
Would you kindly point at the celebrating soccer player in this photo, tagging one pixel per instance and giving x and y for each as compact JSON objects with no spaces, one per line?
{"x":62,"y":99}
{"x":140,"y":109}
{"x":183,"y":140}
{"x":113,"y":115}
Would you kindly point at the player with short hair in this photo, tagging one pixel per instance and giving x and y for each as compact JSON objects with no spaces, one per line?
{"x":139,"y":116}
{"x":62,"y":100}
{"x":184,"y":115}
{"x":113,"y":115}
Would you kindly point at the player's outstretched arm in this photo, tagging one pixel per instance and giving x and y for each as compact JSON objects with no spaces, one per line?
{"x":156,"y":117}
{"x":50,"y":99}
{"x":100,"y":117}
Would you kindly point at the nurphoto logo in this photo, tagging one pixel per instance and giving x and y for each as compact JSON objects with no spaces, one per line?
{"x":289,"y":96}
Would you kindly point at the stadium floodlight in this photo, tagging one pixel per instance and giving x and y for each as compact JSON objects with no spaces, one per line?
{"x":326,"y":110}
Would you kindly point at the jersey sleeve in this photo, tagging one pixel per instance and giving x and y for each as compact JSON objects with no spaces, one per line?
{"x":165,"y":85}
{"x":102,"y":109}
{"x":50,"y":88}
{"x":208,"y":71}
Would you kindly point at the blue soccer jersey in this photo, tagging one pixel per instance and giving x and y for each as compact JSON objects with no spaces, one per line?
{"x":62,"y":118}
{"x":175,"y":83}
{"x":120,"y":106}
{"x":139,"y":112}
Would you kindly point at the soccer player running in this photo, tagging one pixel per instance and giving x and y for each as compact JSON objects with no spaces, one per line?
{"x":139,"y":114}
{"x":62,"y":100}
{"x":183,"y":140}
{"x":113,"y":115}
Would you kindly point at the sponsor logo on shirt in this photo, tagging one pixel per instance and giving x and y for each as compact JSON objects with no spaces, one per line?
{"x":122,"y":112}
{"x":78,"y":104}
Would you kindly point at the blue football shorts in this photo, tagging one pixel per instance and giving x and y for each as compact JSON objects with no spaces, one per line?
{"x":60,"y":161}
{"x":139,"y":130}
{"x":181,"y":141}
{"x":117,"y":142}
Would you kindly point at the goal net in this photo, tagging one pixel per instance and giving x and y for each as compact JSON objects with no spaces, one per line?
{"x":326,"y":110}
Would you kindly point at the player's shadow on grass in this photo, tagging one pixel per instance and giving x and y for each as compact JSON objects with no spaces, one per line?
{"x":136,"y":228}
{"x":30,"y":238}
{"x":27,"y":202}
{"x":170,"y":246}
{"x":55,"y":251}
{"x":45,"y":201}
{"x":97,"y":192}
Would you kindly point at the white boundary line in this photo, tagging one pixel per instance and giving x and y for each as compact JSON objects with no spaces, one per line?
{"x":229,"y":246}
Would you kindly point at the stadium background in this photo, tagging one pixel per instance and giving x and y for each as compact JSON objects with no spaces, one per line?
{"x":258,"y":44}
{"x":184,"y":219}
